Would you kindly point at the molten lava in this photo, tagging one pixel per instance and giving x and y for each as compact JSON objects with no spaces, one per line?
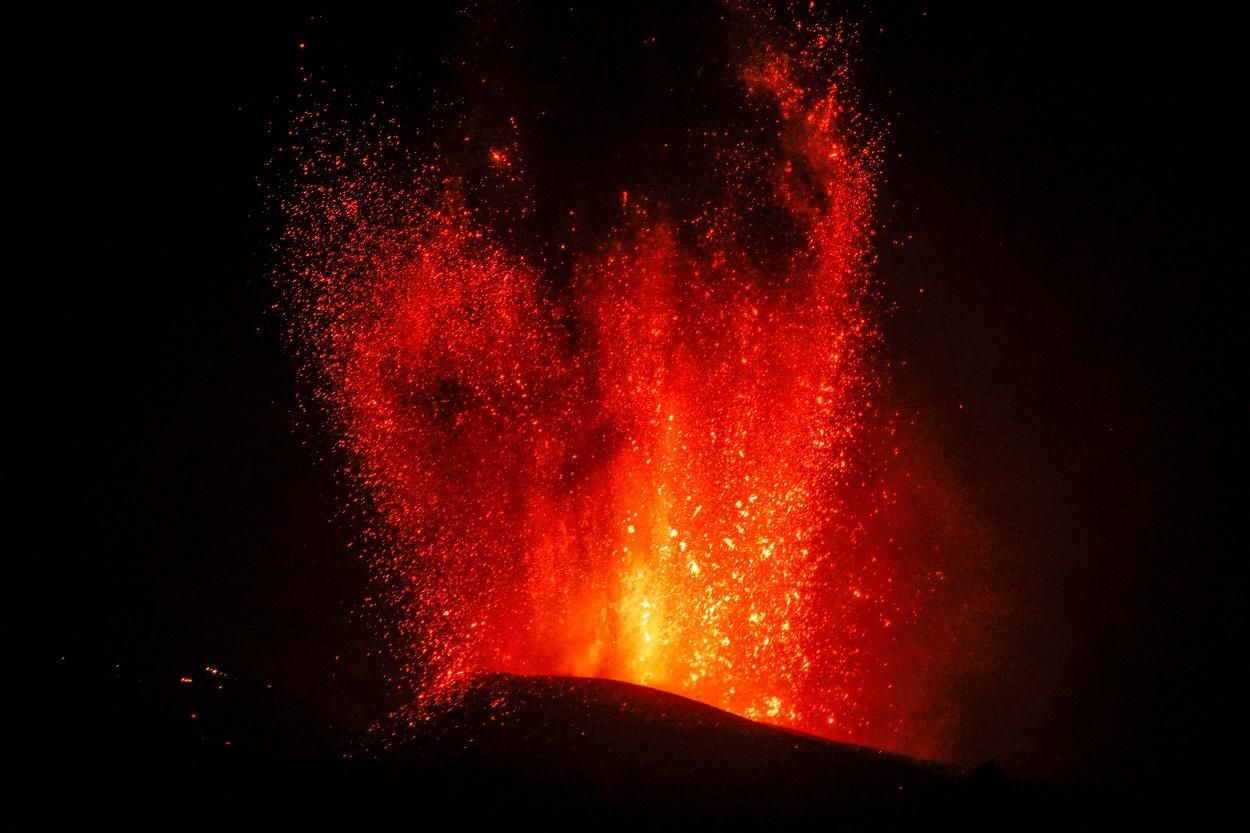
{"x":665,"y":469}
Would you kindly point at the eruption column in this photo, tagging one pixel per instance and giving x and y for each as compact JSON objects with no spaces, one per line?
{"x":664,"y":472}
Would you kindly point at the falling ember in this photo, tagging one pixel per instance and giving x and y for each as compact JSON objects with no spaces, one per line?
{"x":662,"y":468}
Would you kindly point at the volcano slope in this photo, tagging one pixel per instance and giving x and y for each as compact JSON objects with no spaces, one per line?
{"x":506,"y":749}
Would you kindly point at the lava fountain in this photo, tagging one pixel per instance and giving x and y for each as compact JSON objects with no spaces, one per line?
{"x":666,"y":466}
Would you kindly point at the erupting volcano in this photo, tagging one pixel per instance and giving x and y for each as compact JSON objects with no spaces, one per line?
{"x":659,"y":455}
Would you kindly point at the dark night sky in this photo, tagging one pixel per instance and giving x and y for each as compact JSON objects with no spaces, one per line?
{"x":1066,"y":182}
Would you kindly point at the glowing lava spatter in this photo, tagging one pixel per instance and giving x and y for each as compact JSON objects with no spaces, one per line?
{"x":663,"y":472}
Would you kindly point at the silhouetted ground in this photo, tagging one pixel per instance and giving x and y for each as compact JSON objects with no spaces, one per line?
{"x":201,"y":747}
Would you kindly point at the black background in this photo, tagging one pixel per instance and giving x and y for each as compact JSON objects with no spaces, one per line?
{"x":1068,"y":186}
